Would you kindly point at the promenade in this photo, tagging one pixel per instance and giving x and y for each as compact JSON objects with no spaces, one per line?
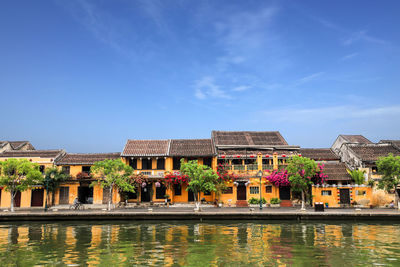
{"x":207,"y":213}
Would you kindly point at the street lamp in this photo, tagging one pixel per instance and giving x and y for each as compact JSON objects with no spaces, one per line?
{"x":259,"y":174}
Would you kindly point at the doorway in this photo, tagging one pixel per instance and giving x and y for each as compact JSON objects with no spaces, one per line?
{"x":37,"y":198}
{"x":284,"y":193}
{"x":190,"y":196}
{"x":64,"y":195}
{"x":345,"y":196}
{"x":241,"y":191}
{"x":17,"y":199}
{"x":145,"y":193}
{"x":85,"y":194}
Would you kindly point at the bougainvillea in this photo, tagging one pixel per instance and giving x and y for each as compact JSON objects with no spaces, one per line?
{"x":278,"y":178}
{"x":83,"y":175}
{"x":320,"y":177}
{"x":223,"y":173}
{"x":175,"y":178}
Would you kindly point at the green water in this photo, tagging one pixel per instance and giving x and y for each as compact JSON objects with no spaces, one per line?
{"x":190,"y":243}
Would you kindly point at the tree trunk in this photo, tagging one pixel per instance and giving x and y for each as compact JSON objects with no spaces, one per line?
{"x":110,"y":198}
{"x":53,"y":196}
{"x":302,"y":201}
{"x":396,"y":197}
{"x":12,"y":201}
{"x":196,"y":201}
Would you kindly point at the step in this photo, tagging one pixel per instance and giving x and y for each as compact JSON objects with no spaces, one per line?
{"x":286,"y":203}
{"x":242,"y":203}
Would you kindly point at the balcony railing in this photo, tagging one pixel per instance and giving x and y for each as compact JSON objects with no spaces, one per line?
{"x":267,"y":167}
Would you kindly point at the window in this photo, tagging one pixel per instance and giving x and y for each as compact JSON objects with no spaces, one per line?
{"x":161,"y":164}
{"x":146,"y":164}
{"x":177,"y":189}
{"x":228,"y":190}
{"x":236,"y":162}
{"x":86,"y":169}
{"x":207,"y":162}
{"x":66,"y":170}
{"x":254,"y":190}
{"x":133,"y":163}
{"x":176,"y":162}
{"x":361,"y":192}
{"x":326,"y":193}
{"x":207,"y":193}
{"x":41,"y":168}
{"x":268,"y":189}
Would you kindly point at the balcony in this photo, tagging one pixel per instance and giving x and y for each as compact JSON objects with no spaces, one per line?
{"x":151,"y":173}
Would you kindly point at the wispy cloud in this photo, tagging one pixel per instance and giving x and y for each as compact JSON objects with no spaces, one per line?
{"x":207,"y":88}
{"x":333,"y":113}
{"x":308,"y":78}
{"x":241,"y":88}
{"x":349,"y":56}
{"x":363,"y":36}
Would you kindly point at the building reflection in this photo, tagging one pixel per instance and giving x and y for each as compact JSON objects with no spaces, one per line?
{"x":173,"y":244}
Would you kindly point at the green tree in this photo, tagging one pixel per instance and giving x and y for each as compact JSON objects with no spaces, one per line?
{"x":52,"y":180}
{"x":18,"y":175}
{"x":113,"y":174}
{"x":357,"y":176}
{"x":301,"y":170}
{"x":389,"y":167}
{"x":201,"y":178}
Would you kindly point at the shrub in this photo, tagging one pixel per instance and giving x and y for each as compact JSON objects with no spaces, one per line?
{"x":275,"y":200}
{"x":254,"y":200}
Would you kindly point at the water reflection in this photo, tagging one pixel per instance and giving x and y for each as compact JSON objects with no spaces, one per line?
{"x":199,"y":244}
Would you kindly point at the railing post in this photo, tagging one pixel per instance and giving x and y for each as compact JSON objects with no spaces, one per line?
{"x":259,"y":161}
{"x":275,"y":160}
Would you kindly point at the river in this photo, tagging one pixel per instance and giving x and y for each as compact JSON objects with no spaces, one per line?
{"x":193,"y":243}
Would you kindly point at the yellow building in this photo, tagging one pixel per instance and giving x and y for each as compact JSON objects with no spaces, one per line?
{"x":78,"y":166}
{"x":153,"y":159}
{"x":35,"y":196}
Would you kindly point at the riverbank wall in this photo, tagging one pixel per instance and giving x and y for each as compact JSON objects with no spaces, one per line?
{"x":351,"y":215}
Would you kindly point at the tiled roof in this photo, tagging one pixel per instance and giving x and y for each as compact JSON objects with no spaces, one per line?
{"x":356,"y":139}
{"x":247,"y":138}
{"x":31,"y":153}
{"x":374,"y":151}
{"x":243,"y":153}
{"x":318,"y":153}
{"x":86,"y":159}
{"x":191,"y":147}
{"x":16,"y":145}
{"x":144,"y":148}
{"x":393,"y":142}
{"x":336,"y":171}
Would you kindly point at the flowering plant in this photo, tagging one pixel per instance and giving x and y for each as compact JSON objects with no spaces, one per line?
{"x":223,"y":173}
{"x":83,"y":175}
{"x":175,"y":178}
{"x":278,"y":178}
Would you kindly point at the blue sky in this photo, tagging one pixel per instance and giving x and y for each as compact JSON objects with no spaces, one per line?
{"x":88,"y":75}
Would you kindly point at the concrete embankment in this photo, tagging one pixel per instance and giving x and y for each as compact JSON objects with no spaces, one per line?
{"x":351,"y":215}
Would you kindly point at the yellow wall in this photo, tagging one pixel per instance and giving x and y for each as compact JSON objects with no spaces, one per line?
{"x":26,"y":196}
{"x":334,"y":199}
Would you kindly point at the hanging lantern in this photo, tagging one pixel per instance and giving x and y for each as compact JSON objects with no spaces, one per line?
{"x":247,"y":183}
{"x":267,"y":156}
{"x":223,"y":156}
{"x":157,"y":184}
{"x":238,"y":156}
{"x":235,"y":183}
{"x":251,"y":156}
{"x":283,"y":156}
{"x":144,"y":184}
{"x":299,"y":155}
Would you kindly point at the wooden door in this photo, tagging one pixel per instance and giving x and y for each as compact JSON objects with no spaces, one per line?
{"x":344,"y":196}
{"x":64,"y":195}
{"x":17,"y":199}
{"x":241,"y":192}
{"x":106,"y":194}
{"x":37,"y":198}
{"x":284,"y":193}
{"x":145,"y":193}
{"x":190,"y":196}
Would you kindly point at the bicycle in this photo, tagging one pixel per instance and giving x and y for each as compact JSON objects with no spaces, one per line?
{"x":77,"y":206}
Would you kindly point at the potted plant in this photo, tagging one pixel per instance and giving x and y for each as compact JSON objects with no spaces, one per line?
{"x":255,"y":202}
{"x":275,"y":202}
